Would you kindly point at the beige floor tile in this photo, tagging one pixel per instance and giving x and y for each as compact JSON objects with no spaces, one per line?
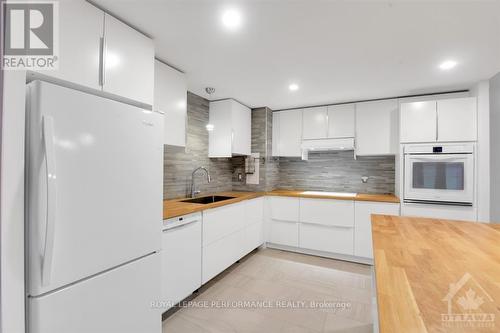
{"x":337,"y":324}
{"x":272,"y":275}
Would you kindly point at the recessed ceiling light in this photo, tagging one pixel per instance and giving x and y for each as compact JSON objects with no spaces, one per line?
{"x":293,"y":87}
{"x":447,"y":65}
{"x":231,"y":18}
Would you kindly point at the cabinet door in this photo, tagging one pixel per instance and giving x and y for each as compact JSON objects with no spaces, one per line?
{"x":328,"y":239}
{"x":220,"y":136}
{"x":128,"y":62}
{"x":377,"y":128}
{"x":363,"y":225}
{"x":418,"y":122}
{"x":254,"y":211}
{"x":170,"y":98}
{"x":341,"y":121}
{"x":276,"y":134}
{"x":327,"y":212}
{"x":457,"y":119}
{"x":290,"y":136}
{"x":80,"y":31}
{"x":314,"y":123}
{"x":241,"y":125}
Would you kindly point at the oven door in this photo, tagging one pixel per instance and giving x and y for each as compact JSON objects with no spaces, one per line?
{"x":444,"y":178}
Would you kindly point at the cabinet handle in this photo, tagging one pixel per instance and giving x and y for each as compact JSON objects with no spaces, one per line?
{"x":102,"y":59}
{"x":437,"y":122}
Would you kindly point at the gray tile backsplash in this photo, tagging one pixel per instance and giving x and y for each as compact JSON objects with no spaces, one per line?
{"x":338,"y":171}
{"x":326,"y":171}
{"x":178,"y":163}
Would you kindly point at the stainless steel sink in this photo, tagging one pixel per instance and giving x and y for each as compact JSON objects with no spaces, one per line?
{"x":208,"y":200}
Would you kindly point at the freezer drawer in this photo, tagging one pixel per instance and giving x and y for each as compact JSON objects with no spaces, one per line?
{"x":119,"y":300}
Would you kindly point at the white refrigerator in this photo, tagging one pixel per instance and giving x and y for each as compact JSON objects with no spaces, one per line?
{"x":94,"y":213}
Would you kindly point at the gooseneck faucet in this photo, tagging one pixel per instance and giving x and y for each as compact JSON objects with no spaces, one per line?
{"x":194,"y":191}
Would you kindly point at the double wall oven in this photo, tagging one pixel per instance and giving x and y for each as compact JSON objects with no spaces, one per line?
{"x":440,"y":174}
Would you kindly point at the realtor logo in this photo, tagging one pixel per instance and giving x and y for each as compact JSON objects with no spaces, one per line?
{"x":468,"y":297}
{"x":31,"y":35}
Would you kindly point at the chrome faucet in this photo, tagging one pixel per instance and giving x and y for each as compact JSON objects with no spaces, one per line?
{"x":194,"y":191}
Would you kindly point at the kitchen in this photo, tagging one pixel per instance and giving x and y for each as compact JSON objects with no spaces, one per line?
{"x":211,"y":166}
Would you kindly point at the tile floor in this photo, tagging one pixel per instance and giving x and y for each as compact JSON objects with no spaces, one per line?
{"x":284,"y":292}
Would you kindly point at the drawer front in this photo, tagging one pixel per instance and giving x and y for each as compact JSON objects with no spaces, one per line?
{"x":222,"y":221}
{"x":327,"y":212}
{"x":328,"y":239}
{"x":219,"y":255}
{"x":285,"y":209}
{"x":254,"y":211}
{"x":284,"y":233}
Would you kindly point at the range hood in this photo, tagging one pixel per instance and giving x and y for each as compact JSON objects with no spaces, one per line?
{"x":326,"y":145}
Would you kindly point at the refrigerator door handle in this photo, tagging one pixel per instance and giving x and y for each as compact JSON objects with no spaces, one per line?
{"x":48,"y":139}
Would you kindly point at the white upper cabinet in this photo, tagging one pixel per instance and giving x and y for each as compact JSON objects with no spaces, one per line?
{"x":377,"y":128}
{"x":276,"y":134}
{"x":418,"y":122}
{"x":80,"y":30}
{"x":457,"y":119}
{"x":334,"y":121}
{"x":341,"y":121}
{"x":170,"y":98}
{"x":445,"y":120}
{"x":290,"y":133}
{"x":315,"y":123}
{"x":230,"y":129}
{"x":128,"y":62}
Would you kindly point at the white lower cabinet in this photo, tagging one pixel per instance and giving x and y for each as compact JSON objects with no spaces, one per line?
{"x":229,"y":233}
{"x":326,"y":225}
{"x":284,"y":226}
{"x":284,"y":233}
{"x":327,"y":239}
{"x":363,"y":225}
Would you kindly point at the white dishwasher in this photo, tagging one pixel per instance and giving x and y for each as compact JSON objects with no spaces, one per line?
{"x":181,"y":258}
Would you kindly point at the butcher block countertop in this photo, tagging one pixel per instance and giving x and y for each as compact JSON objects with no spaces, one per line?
{"x":338,"y":196}
{"x":436,"y":275}
{"x":175,"y":207}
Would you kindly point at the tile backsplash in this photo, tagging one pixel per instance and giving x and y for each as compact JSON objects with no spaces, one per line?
{"x":324,"y":171}
{"x":338,"y":172}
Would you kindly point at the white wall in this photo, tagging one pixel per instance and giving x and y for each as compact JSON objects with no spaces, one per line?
{"x":481,"y":92}
{"x":495,"y":147}
{"x":12,"y":204}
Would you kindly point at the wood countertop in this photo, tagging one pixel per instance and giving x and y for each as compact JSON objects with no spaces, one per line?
{"x":427,"y":269}
{"x":358,"y":197}
{"x":175,"y":207}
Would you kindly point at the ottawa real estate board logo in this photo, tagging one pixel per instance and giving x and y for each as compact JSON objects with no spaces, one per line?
{"x":467,"y":302}
{"x":31,"y":35}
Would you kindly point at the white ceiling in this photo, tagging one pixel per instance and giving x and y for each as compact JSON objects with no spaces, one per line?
{"x":334,"y":50}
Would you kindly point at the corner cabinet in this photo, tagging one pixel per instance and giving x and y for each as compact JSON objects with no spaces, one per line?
{"x":229,"y":129}
{"x":287,"y":133}
{"x":170,"y":99}
{"x":377,"y":128}
{"x":446,"y":120}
